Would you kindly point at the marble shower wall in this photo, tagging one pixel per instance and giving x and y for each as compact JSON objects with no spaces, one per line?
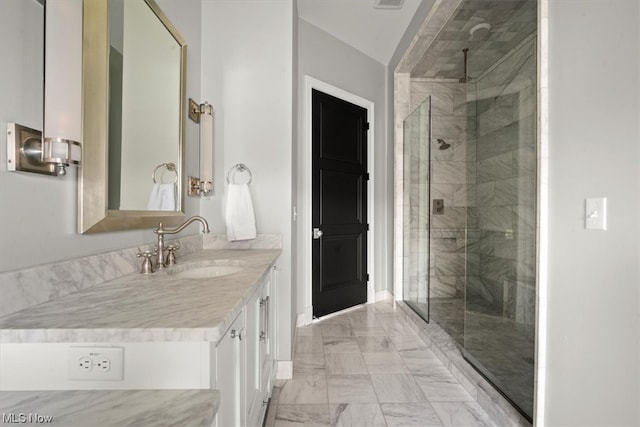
{"x":452,"y":180}
{"x":502,"y":121}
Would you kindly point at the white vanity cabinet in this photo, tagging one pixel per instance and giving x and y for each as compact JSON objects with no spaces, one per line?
{"x":229,"y":369}
{"x":244,"y":360}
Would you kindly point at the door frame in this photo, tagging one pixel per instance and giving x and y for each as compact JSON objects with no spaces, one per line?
{"x":305,"y":199}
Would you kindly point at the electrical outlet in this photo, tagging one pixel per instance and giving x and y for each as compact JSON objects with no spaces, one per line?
{"x":84,"y":364}
{"x":96,"y":363}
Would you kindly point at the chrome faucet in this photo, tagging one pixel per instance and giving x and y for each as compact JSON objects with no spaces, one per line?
{"x":161,"y":231}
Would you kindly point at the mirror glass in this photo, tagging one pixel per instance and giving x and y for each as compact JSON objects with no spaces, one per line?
{"x":144,"y":109}
{"x":133,"y":117}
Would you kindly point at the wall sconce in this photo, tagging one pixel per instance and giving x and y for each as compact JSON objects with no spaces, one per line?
{"x":62,"y":153}
{"x":27,"y":151}
{"x":203,"y":115}
{"x":63,"y":88}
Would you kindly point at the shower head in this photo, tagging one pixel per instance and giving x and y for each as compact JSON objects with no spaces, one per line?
{"x":443,"y":144}
{"x":483,"y":29}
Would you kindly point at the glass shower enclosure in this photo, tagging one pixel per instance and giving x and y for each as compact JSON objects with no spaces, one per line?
{"x":500,"y":279}
{"x":471,"y":267}
{"x":417,"y":130}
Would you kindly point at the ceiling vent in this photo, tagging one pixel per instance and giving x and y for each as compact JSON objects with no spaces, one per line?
{"x":388,"y":4}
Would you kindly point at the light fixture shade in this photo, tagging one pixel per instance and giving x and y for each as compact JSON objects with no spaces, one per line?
{"x":206,"y":148}
{"x":63,"y":91}
{"x":61,"y":151}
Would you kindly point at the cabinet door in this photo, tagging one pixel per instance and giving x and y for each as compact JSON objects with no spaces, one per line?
{"x":266,"y":334}
{"x":253,"y":343}
{"x":230,"y":376}
{"x":272,"y":313}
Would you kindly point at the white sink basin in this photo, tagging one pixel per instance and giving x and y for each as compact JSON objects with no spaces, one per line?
{"x":209,"y":269}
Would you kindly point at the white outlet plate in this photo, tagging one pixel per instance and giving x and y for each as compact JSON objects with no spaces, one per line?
{"x":96,"y":363}
{"x":596,"y":213}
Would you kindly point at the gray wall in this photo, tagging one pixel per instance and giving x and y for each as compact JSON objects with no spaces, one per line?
{"x":294,"y":170}
{"x":247,"y":75}
{"x":593,"y":329}
{"x":330,"y":60}
{"x":38,"y":213}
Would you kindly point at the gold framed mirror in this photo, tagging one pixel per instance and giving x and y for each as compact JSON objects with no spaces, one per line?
{"x":128,"y":153}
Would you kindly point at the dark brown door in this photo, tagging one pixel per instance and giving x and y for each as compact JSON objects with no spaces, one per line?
{"x":339,"y":217}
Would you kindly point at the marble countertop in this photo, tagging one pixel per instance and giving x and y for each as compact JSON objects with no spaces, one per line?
{"x":137,"y":307}
{"x":106,"y":408}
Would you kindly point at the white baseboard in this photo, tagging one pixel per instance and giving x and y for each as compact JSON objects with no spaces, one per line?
{"x":284,"y":369}
{"x":305,"y":318}
{"x":383,"y":295}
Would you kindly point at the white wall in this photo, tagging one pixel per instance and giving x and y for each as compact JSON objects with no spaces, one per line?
{"x":593,"y":355}
{"x":325,"y":58}
{"x":247,"y":78}
{"x":38,"y":213}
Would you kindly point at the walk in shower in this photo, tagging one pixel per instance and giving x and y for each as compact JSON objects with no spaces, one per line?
{"x":470,"y":190}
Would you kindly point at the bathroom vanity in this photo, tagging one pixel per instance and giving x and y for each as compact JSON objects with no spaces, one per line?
{"x":205,"y":324}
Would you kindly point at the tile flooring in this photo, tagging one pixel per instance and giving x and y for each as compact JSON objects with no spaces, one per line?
{"x":366,"y":367}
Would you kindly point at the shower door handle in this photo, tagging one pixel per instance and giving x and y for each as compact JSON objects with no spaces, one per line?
{"x":317,"y":233}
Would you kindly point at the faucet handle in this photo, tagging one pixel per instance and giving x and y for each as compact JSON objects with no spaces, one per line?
{"x":147,"y":266}
{"x":171,"y":255}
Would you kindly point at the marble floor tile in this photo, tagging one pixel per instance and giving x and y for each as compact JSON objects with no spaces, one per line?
{"x":309,"y":364}
{"x":442,"y":388}
{"x":304,"y":389}
{"x":302,"y":415}
{"x":363,"y":318}
{"x":367,"y":367}
{"x":382,"y":307}
{"x":396,"y":326}
{"x":309,"y":344}
{"x":368,"y":331}
{"x":388,"y":362}
{"x":410,"y":415}
{"x":270,"y":416}
{"x":467,"y":414}
{"x":350,"y":389}
{"x":423,"y":362}
{"x":309,"y":331}
{"x":407,"y":341}
{"x":397,"y":388}
{"x":340,"y":345}
{"x":356,"y":415}
{"x":345,"y":364}
{"x":337,"y":329}
{"x":374,"y":344}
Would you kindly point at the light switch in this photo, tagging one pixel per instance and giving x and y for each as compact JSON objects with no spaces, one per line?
{"x":596,"y":213}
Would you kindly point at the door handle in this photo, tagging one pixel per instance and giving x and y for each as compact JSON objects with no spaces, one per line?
{"x":317,"y":233}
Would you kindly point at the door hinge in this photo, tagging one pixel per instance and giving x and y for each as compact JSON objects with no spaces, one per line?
{"x":366,"y":126}
{"x":367,"y":176}
{"x":367,"y":227}
{"x":367,"y":277}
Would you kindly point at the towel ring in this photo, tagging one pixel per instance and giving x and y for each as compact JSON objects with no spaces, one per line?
{"x":240,"y":167}
{"x":168,"y":166}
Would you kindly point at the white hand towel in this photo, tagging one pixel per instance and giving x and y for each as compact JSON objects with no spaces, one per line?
{"x":162,"y":198}
{"x":239,"y":215}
